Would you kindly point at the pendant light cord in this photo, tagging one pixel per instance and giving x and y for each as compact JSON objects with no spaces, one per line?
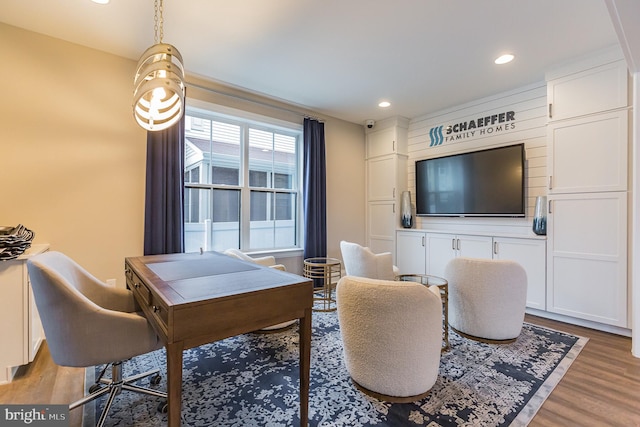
{"x":158,"y":22}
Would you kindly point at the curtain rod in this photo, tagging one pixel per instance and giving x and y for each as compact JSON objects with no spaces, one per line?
{"x":254,"y":101}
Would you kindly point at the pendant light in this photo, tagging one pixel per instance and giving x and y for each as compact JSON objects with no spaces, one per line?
{"x":158,"y":95}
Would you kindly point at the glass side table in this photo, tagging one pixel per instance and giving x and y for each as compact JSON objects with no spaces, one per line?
{"x":325,"y":273}
{"x":443,"y":285}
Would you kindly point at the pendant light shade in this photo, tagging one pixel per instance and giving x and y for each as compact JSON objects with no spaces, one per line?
{"x":158,"y":97}
{"x":158,"y":94}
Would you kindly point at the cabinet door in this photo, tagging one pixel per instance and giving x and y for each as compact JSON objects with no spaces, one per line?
{"x":411,"y":252}
{"x":531,"y":255}
{"x":595,"y":90}
{"x":441,"y":248}
{"x":588,"y":154}
{"x":12,"y":317}
{"x":36,"y":332}
{"x":381,"y":178}
{"x":380,"y":143}
{"x":382,"y":226}
{"x":587,"y":257}
{"x":474,"y":246}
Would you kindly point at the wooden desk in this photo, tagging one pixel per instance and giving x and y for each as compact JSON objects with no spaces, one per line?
{"x":194,"y":299}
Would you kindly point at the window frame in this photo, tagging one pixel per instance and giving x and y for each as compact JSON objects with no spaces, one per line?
{"x":246,"y":121}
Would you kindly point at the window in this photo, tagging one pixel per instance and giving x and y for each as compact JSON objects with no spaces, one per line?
{"x":241,"y":183}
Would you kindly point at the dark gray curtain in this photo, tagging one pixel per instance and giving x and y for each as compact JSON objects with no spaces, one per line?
{"x":315,"y":190}
{"x":164,"y":197}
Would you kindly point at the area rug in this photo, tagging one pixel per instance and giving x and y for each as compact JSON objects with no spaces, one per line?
{"x":252,"y":380}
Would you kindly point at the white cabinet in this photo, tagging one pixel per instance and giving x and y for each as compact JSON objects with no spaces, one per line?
{"x":588,"y":154}
{"x":22,"y":331}
{"x":588,"y":257}
{"x":411,"y":254}
{"x":596,"y":89}
{"x":587,"y":143}
{"x":441,"y":248}
{"x":421,"y":252}
{"x":531,"y":255}
{"x":389,"y":140}
{"x":386,"y":179}
{"x":384,"y":175}
{"x":381,"y":226}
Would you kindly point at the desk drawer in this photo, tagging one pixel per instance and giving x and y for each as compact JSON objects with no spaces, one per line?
{"x":143,"y":294}
{"x":151,"y":304}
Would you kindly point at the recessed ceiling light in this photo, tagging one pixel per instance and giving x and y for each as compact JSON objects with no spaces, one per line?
{"x":100,"y":1}
{"x":504,"y":59}
{"x":384,"y":104}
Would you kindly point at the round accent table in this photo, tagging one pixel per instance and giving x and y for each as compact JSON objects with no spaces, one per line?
{"x":325,"y":273}
{"x":443,"y":285}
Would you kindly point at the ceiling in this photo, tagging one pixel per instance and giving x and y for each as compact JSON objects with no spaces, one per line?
{"x":341,"y":57}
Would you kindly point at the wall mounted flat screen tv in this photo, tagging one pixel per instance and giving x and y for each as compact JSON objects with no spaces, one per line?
{"x":485,"y":183}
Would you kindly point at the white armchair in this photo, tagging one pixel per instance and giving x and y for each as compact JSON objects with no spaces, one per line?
{"x":361,"y":261}
{"x":267,"y":261}
{"x":487,"y":298}
{"x":392,"y":336}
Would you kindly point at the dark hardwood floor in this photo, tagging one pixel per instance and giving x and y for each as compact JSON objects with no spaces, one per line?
{"x":601,"y":388}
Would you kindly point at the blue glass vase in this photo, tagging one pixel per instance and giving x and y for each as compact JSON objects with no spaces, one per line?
{"x":405,"y":209}
{"x":540,"y":216}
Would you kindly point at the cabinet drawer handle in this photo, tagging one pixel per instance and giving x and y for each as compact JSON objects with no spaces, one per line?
{"x":453,"y":244}
{"x":550,"y":111}
{"x":550,"y":180}
{"x":495,"y":248}
{"x":155,"y":308}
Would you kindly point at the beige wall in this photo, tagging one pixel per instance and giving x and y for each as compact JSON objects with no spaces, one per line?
{"x":72,"y":158}
{"x":345,"y":185}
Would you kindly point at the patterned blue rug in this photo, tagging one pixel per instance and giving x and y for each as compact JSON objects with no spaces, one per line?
{"x":252,"y":380}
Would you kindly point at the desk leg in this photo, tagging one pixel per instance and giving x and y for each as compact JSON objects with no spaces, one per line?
{"x":305,"y":363}
{"x":174,"y":382}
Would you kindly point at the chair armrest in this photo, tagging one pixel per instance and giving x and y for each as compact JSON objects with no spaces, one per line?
{"x":436,"y":290}
{"x":267,"y":261}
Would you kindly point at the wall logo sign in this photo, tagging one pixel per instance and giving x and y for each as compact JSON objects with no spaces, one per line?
{"x":481,"y":126}
{"x":436,"y":136}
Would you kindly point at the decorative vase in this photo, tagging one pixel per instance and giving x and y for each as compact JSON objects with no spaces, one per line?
{"x":540,"y":216}
{"x":405,"y":209}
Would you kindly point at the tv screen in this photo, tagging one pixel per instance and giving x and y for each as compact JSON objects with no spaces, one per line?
{"x":480,"y":183}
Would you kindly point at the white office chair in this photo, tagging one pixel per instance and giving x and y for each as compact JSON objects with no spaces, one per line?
{"x":361,"y":261}
{"x":88,"y":323}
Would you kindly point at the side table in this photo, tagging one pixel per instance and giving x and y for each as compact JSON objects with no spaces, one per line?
{"x":443,"y":285}
{"x":325,"y":272}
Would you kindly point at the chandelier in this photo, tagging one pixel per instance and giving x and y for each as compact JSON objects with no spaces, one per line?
{"x":158,"y":95}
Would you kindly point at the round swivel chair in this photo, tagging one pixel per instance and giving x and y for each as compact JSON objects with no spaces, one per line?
{"x":392,"y":336}
{"x":487,"y":298}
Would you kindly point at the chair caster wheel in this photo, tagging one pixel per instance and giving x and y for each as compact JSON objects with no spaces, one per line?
{"x":94,"y":388}
{"x":155,"y":380}
{"x":163,"y":407}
